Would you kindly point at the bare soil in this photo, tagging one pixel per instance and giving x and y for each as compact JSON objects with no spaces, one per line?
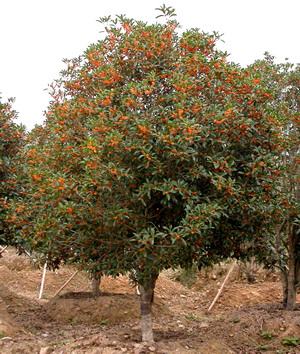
{"x":247,"y":318}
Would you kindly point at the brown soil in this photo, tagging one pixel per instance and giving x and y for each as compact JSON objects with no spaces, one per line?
{"x":246,"y":319}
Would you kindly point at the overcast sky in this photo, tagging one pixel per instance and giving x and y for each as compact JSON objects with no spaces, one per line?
{"x":35,"y":35}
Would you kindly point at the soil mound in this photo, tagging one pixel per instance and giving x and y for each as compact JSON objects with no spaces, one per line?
{"x":108,"y":308}
{"x":8,"y":325}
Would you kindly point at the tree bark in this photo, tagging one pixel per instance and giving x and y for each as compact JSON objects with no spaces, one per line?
{"x":291,"y":278}
{"x":96,"y":280}
{"x":147,"y":297}
{"x":284,"y":283}
{"x":291,"y":286}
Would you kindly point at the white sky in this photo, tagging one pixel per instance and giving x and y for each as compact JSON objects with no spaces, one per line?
{"x":35,"y":35}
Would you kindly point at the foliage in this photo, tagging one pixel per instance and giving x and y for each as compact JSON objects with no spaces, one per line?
{"x":283,"y":80}
{"x":186,"y":277}
{"x":11,"y":140}
{"x":267,"y":334}
{"x":290,"y":341}
{"x":262,"y":347}
{"x":156,"y":153}
{"x":249,"y":269}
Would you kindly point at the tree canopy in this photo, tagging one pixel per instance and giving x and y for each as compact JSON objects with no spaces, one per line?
{"x":154,"y":153}
{"x":283,"y":79}
{"x":11,"y":140}
{"x":157,"y":152}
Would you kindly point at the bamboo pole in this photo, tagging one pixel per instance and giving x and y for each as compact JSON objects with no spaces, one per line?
{"x":3,"y":249}
{"x":65,"y":284}
{"x":222,"y":286}
{"x":29,"y":255}
{"x":43,"y":281}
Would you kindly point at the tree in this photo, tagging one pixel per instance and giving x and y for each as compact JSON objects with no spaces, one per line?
{"x":283,"y":80}
{"x":156,"y":153}
{"x":11,"y":140}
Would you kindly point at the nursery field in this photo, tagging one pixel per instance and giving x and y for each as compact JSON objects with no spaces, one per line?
{"x":247,"y":318}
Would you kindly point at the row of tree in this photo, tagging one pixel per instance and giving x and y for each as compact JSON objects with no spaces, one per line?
{"x":158,"y":152}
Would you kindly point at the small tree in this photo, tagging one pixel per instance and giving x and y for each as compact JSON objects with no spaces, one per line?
{"x":156,"y":153}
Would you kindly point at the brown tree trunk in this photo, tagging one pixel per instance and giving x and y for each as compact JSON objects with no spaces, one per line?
{"x":284,"y":282}
{"x":298,"y":274}
{"x":292,"y":276}
{"x":147,"y":297}
{"x":291,"y":287}
{"x":96,"y":280}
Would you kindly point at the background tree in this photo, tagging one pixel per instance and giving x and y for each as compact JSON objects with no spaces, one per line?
{"x":156,"y":153}
{"x":11,"y":140}
{"x":283,"y":80}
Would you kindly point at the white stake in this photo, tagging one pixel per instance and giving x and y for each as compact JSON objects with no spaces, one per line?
{"x":43,"y":281}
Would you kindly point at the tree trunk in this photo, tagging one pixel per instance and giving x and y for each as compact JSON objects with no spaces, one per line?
{"x":96,"y":280}
{"x":291,"y":278}
{"x":289,"y":283}
{"x":291,"y":287}
{"x":147,"y":297}
{"x":284,"y":282}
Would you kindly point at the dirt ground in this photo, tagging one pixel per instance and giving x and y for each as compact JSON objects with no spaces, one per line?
{"x":247,"y":318}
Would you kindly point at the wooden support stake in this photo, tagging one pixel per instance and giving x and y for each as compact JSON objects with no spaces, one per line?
{"x":222,"y":286}
{"x":3,"y":249}
{"x":65,"y":284}
{"x":29,"y":255}
{"x":43,"y":281}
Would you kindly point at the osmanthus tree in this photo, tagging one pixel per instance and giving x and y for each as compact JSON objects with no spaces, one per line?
{"x":11,"y":140}
{"x":283,"y":80}
{"x":156,"y":153}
